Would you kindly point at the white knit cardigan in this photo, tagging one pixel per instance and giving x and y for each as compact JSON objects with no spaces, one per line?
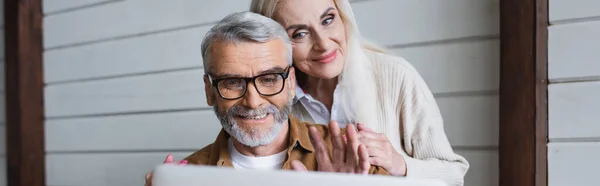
{"x":409,"y":116}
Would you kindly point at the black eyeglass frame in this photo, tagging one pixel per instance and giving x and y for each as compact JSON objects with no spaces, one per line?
{"x":284,"y":75}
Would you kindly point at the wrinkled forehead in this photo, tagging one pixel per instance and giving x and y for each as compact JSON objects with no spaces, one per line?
{"x":246,"y":59}
{"x":301,"y":11}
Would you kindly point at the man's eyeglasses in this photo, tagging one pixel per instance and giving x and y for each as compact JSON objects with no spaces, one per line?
{"x":266,"y":84}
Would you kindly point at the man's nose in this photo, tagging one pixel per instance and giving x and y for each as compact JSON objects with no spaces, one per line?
{"x":252,"y":99}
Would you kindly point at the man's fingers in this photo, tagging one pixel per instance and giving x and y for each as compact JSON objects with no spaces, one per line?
{"x":298,"y":166}
{"x":363,"y":160}
{"x":182,"y":162}
{"x":351,"y":146}
{"x":337,"y":142}
{"x":321,"y":150}
{"x":148,"y":176}
{"x":148,"y":179}
{"x":169,"y":159}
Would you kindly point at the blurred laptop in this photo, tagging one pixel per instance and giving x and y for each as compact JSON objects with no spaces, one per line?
{"x":191,"y":175}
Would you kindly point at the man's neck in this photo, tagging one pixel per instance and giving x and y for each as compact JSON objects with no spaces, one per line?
{"x":279,"y":144}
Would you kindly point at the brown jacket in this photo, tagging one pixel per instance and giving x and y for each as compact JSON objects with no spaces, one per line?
{"x":300,"y":148}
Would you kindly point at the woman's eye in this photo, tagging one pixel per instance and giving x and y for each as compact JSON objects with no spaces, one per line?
{"x":327,"y":21}
{"x":298,"y":35}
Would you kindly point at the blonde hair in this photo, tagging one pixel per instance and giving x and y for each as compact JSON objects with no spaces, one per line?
{"x":357,"y":81}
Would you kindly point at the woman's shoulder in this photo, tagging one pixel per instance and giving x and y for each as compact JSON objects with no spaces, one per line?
{"x":389,"y":66}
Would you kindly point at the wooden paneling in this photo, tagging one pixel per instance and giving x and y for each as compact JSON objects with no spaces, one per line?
{"x":573,"y":9}
{"x":51,"y":6}
{"x":25,"y":155}
{"x":573,"y":164}
{"x":140,"y":132}
{"x":523,"y":92}
{"x":474,"y":65}
{"x":132,"y":17}
{"x":573,"y":51}
{"x":114,"y":169}
{"x":150,"y":53}
{"x":393,"y":22}
{"x":573,"y":110}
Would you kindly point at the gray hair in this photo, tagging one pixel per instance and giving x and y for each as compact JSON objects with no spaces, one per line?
{"x":244,"y":27}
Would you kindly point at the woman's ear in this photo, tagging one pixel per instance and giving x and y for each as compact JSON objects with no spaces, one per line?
{"x":208,"y":91}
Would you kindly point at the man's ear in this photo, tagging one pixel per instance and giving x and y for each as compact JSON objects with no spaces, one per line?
{"x":292,"y":78}
{"x":208,"y":91}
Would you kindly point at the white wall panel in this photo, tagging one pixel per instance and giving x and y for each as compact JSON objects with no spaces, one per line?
{"x":470,"y":120}
{"x":484,"y":168}
{"x":2,"y":57}
{"x":573,"y":9}
{"x":139,"y":132}
{"x":149,"y":53}
{"x":3,"y":175}
{"x":132,"y":17}
{"x":154,"y":92}
{"x":573,"y":110}
{"x":50,"y":6}
{"x":573,"y":164}
{"x":573,"y":51}
{"x":466,"y":119}
{"x":394,"y":22}
{"x":457,"y":67}
{"x":118,"y":169}
{"x":465,"y":18}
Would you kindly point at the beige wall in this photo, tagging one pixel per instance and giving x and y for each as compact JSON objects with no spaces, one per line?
{"x":574,"y":92}
{"x":122,"y":75}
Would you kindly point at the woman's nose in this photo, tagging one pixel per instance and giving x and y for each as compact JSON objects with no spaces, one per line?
{"x":321,"y":43}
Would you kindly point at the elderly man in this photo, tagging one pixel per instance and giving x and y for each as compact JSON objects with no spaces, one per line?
{"x":250,"y":82}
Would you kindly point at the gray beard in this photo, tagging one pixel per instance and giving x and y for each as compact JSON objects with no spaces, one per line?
{"x":253,"y":137}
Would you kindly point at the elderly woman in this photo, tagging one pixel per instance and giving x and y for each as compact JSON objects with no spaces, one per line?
{"x":342,"y":77}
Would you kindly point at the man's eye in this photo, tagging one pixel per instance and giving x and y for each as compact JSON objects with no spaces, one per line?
{"x":268,"y":80}
{"x":231,"y":82}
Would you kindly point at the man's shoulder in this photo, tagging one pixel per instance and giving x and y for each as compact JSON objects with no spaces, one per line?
{"x":201,"y":156}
